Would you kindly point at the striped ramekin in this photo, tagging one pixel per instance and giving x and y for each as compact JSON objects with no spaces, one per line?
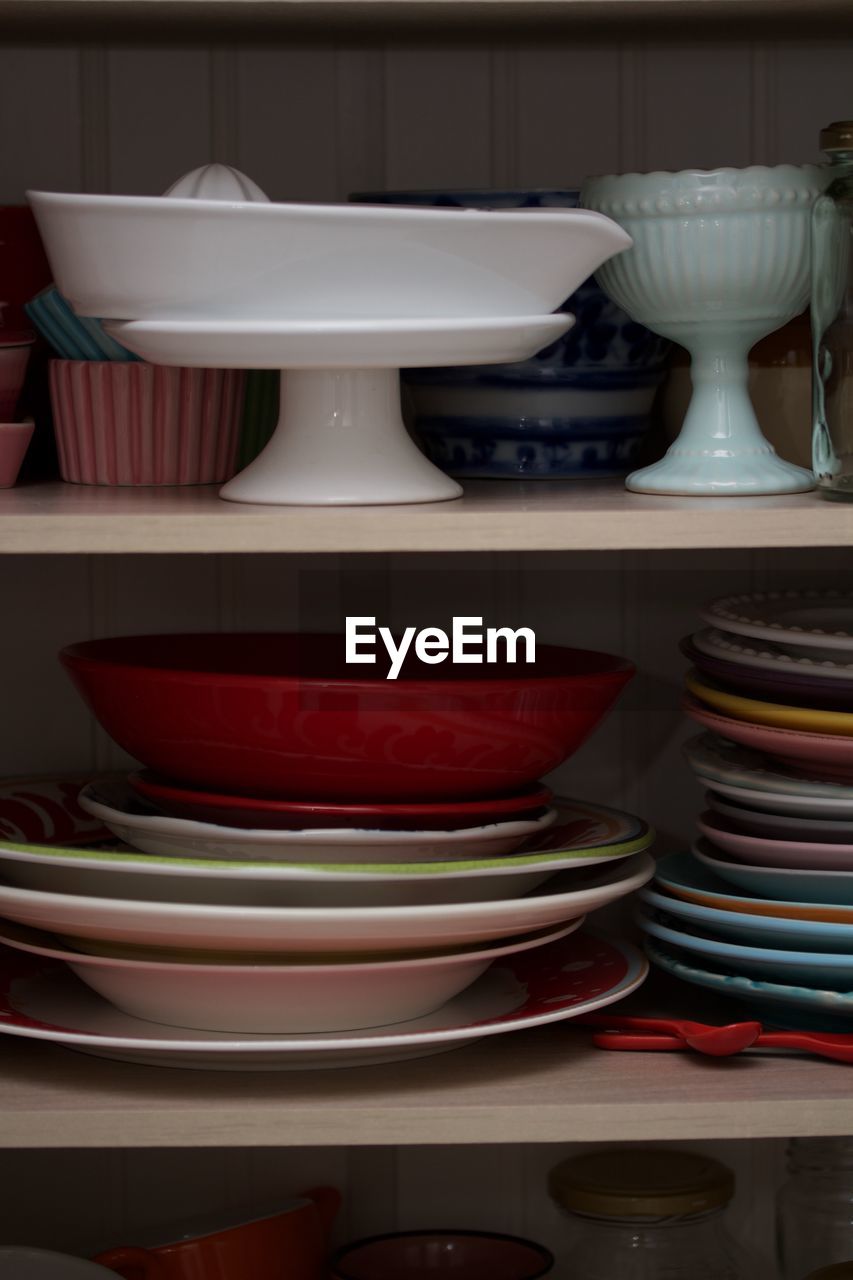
{"x":144,"y":424}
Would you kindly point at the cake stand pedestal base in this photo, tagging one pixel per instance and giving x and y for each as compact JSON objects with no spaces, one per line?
{"x":340,"y":441}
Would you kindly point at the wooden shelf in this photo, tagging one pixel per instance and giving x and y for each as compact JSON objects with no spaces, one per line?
{"x":48,"y":20}
{"x":542,"y":1086}
{"x":493,"y":516}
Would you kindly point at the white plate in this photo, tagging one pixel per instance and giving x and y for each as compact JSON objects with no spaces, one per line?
{"x":39,"y":1264}
{"x":775,"y":656}
{"x":279,"y":999}
{"x":802,"y":619}
{"x":303,"y":930}
{"x":343,"y":344}
{"x":776,"y":802}
{"x":140,"y":825}
{"x":584,"y":836}
{"x":783,"y":826}
{"x":41,"y":1000}
{"x":717,"y":761}
{"x":146,"y":257}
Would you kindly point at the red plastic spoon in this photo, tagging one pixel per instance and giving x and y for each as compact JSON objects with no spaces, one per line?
{"x":839,"y":1046}
{"x":635,"y":1034}
{"x":719,"y":1042}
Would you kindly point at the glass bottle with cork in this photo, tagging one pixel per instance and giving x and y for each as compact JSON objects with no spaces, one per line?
{"x":832,"y":317}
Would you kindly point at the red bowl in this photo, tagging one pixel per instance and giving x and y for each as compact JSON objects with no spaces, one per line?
{"x":435,"y":1255}
{"x":283,"y":716}
{"x":297,"y":815}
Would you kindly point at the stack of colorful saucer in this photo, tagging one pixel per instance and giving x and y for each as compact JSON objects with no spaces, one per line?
{"x":763,"y":906}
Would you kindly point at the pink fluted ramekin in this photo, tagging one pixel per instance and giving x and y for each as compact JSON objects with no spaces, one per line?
{"x":131,"y":423}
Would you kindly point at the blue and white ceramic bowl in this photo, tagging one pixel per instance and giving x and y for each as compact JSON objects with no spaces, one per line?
{"x":578,"y":409}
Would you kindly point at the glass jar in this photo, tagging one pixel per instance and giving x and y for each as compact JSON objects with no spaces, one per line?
{"x":832,"y":317}
{"x":642,"y":1214}
{"x":814,"y":1209}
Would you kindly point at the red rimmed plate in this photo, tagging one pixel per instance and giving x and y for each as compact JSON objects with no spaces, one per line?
{"x":45,"y":810}
{"x":271,"y":815}
{"x":41,"y":1000}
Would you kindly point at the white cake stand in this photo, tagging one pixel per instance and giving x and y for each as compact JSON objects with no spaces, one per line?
{"x":340,"y":439}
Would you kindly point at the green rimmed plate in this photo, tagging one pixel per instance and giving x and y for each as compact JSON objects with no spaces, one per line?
{"x":581,"y":836}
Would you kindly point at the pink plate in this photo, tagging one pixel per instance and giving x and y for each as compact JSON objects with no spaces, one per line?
{"x":242,"y":811}
{"x":760,"y":851}
{"x":815,"y":755}
{"x":41,"y":1000}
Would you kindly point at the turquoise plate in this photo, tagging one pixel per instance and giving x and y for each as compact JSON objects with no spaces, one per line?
{"x":803,"y":1008}
{"x":681,"y":873}
{"x":801,"y":968}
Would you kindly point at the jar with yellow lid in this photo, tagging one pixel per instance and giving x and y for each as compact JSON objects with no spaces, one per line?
{"x":832,"y":317}
{"x":647,"y":1214}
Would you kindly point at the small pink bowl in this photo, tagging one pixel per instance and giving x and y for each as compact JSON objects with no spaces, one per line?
{"x":133,"y":423}
{"x":14,"y":442}
{"x":15,"y":351}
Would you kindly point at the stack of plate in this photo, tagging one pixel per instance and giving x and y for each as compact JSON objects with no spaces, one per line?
{"x":763,"y":907}
{"x":261,"y":930}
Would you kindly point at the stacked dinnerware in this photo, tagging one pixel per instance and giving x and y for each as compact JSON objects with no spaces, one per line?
{"x":339,"y":296}
{"x":763,"y":906}
{"x":343,"y":869}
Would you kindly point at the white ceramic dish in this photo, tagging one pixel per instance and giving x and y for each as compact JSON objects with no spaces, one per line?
{"x":344,"y":344}
{"x":146,"y":257}
{"x":717,"y":761}
{"x":775,"y":656}
{"x":303,"y":930}
{"x":340,"y":440}
{"x":39,"y":1264}
{"x":162,"y":877}
{"x":41,"y":1000}
{"x":279,"y":999}
{"x":783,"y":826}
{"x":807,"y":620}
{"x":123,"y":813}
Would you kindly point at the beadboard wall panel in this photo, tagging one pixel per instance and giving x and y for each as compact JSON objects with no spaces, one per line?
{"x":158,"y":116}
{"x":318,"y":122}
{"x":117,"y":1197}
{"x":636,"y":604}
{"x":41,"y":134}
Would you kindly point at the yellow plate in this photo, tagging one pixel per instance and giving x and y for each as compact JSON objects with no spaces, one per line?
{"x":773,"y":714}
